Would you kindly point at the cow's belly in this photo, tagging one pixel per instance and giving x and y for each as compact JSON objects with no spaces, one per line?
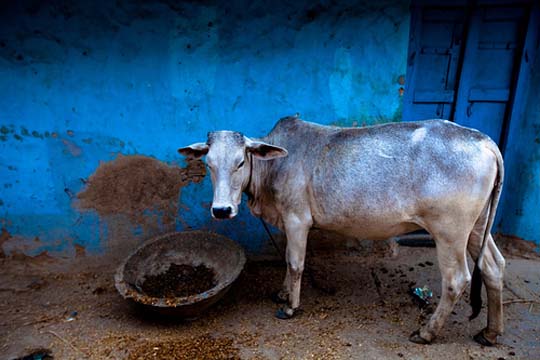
{"x":356,"y":206}
{"x":378,"y":225}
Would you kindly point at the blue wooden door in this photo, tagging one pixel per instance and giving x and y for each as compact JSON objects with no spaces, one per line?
{"x":490,"y":66}
{"x":463,"y":63}
{"x":434,"y":48}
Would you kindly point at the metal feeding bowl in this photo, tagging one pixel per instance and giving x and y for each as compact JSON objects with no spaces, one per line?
{"x":193,"y":248}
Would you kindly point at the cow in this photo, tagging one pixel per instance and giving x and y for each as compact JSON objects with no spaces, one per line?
{"x":372,"y":182}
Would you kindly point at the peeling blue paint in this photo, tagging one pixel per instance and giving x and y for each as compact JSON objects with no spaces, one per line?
{"x":82,"y":82}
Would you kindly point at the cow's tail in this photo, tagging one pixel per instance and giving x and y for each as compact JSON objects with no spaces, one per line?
{"x":476,"y":282}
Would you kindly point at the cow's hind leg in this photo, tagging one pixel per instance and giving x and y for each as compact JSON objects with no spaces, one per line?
{"x":451,"y":254}
{"x":492,"y":275}
{"x":297,"y":229}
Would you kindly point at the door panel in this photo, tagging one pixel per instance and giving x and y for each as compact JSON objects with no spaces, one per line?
{"x":489,"y":68}
{"x":433,"y":63}
{"x":493,"y":112}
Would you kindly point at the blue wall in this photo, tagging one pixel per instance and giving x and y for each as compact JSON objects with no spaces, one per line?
{"x":81,"y":83}
{"x":520,"y":202}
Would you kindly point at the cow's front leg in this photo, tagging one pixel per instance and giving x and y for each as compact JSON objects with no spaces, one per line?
{"x":296,"y":229}
{"x":282,"y":296}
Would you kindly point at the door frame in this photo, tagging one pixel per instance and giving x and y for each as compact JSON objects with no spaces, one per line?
{"x":528,"y":56}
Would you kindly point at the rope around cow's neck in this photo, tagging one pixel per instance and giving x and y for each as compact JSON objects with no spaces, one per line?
{"x":250,"y":197}
{"x":281,"y":254}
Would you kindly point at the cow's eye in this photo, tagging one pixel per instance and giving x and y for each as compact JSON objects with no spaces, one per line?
{"x":240,"y":165}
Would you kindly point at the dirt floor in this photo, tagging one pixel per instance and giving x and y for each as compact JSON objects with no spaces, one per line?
{"x":73,"y":310}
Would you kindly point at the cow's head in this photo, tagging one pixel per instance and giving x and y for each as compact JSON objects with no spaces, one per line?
{"x":227,"y":156}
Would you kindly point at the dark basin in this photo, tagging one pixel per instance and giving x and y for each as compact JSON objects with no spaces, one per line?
{"x":193,"y":248}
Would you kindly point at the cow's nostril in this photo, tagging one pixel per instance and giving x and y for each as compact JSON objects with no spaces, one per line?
{"x":222,"y":212}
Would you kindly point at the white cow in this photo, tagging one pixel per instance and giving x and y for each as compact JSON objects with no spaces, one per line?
{"x":373,"y":182}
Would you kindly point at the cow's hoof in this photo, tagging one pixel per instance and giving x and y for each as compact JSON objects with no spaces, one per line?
{"x":285,"y":313}
{"x":278,"y":298}
{"x":483,"y":340}
{"x":417,"y":339}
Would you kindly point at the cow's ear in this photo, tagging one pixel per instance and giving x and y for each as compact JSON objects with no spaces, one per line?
{"x":194,"y":151}
{"x":264,"y":151}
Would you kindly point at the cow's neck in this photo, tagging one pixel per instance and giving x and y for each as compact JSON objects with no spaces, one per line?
{"x":261,"y":200}
{"x":253,"y":188}
{"x":248,"y":187}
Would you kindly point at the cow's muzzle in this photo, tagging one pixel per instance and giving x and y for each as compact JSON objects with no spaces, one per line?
{"x":222,"y":212}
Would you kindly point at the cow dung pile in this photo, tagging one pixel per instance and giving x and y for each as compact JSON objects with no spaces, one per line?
{"x":179,"y":281}
{"x":134,"y":185}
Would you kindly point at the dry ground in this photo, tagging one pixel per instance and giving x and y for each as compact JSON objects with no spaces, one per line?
{"x":370,"y":315}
